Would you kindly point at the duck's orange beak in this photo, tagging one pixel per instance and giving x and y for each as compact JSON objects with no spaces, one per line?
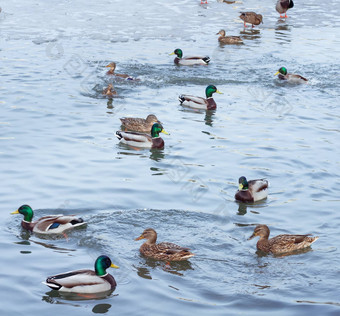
{"x":252,"y":236}
{"x":114,"y":266}
{"x":140,"y":237}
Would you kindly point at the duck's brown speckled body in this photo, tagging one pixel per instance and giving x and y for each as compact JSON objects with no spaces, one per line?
{"x":251,"y":18}
{"x":109,"y":91}
{"x":164,"y":250}
{"x":228,"y":39}
{"x":281,"y":243}
{"x":139,"y":124}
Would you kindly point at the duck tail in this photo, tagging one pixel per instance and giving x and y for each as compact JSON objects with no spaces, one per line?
{"x":181,"y":99}
{"x":206,"y":59}
{"x":119,"y":135}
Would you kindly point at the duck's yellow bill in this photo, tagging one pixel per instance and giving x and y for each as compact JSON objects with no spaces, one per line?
{"x":140,"y":237}
{"x":114,"y":266}
{"x":217,"y":91}
{"x":240,"y":186}
{"x":15,"y":212}
{"x":276,"y":73}
{"x":173,"y":53}
{"x":164,"y":132}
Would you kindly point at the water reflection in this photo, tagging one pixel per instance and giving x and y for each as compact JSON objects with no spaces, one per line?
{"x":101,"y":308}
{"x":173,"y":267}
{"x":156,"y":154}
{"x":56,"y":297}
{"x":209,"y":117}
{"x":250,"y":34}
{"x":282,"y":31}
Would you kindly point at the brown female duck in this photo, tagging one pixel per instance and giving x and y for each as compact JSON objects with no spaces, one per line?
{"x":281,"y":243}
{"x":109,"y":91}
{"x":139,"y":124}
{"x":112,"y":69}
{"x":162,"y":251}
{"x":228,"y":39}
{"x":251,"y":18}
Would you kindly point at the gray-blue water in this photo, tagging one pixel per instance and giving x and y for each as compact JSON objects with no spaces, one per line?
{"x":59,"y":154}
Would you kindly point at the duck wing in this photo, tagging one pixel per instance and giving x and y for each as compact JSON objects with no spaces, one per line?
{"x":257,"y":185}
{"x":294,"y":78}
{"x":171,"y":248}
{"x":134,"y":136}
{"x":73,"y":279}
{"x":56,"y":223}
{"x":136,"y":124}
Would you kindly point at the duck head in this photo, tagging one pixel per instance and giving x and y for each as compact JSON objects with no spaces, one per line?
{"x":25,"y":210}
{"x":260,"y":230}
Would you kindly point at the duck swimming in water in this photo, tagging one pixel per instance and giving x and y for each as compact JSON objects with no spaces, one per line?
{"x":281,"y":243}
{"x":190,"y":60}
{"x":51,"y":224}
{"x":162,"y":251}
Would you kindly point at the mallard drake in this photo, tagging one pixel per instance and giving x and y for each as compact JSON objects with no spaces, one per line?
{"x":199,"y":102}
{"x":162,"y":251}
{"x":281,"y":243}
{"x":143,"y":140}
{"x":228,"y":39}
{"x":282,"y":6}
{"x":189,"y":61}
{"x":251,"y":18}
{"x":139,"y":124}
{"x":85,"y":281}
{"x":291,"y":78}
{"x":251,"y":191}
{"x":51,"y":224}
{"x":112,"y":69}
{"x":109,"y":91}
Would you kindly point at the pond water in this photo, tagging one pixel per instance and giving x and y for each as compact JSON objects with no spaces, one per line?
{"x":59,"y":154}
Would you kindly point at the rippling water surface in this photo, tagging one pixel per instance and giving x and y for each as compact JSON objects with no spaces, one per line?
{"x":59,"y":154}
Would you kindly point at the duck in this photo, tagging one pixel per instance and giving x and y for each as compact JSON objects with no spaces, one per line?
{"x":252,"y":190}
{"x":207,"y":103}
{"x":162,"y":251}
{"x":228,"y":39}
{"x":251,"y":18}
{"x":139,"y":124}
{"x":291,"y":78}
{"x":189,"y":61}
{"x":143,"y":140}
{"x":51,"y":224}
{"x":85,"y":281}
{"x":109,"y":91}
{"x":281,"y":243}
{"x":282,"y":6}
{"x":112,"y":69}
